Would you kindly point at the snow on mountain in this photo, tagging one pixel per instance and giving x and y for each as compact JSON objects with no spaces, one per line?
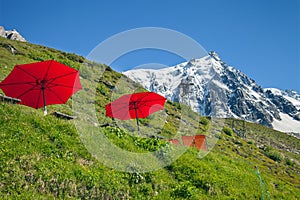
{"x":289,"y":95}
{"x":212,"y":88}
{"x":286,"y":124}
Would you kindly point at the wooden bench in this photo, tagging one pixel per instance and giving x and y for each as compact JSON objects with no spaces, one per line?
{"x":156,"y":137}
{"x":9,"y":99}
{"x":64,"y":116}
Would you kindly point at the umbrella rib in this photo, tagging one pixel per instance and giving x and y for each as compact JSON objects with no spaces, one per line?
{"x":33,"y":88}
{"x":125,"y":113}
{"x":57,"y":77}
{"x":26,"y":72}
{"x":142,"y":112}
{"x":120,"y":109}
{"x":149,"y":100}
{"x":56,"y":95}
{"x":54,"y":85}
{"x":18,"y":83}
{"x":46,"y":74}
{"x":141,"y":99}
{"x":148,"y":107}
{"x":142,"y":103}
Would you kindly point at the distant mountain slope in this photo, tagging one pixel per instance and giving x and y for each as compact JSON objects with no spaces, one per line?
{"x":213,"y":88}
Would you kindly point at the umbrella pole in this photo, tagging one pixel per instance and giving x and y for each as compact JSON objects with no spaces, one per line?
{"x":44,"y":98}
{"x":137,"y":122}
{"x":137,"y":118}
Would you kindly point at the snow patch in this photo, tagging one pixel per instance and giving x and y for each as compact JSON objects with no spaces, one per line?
{"x":220,"y":85}
{"x":286,"y":124}
{"x":275,"y":91}
{"x":292,"y":99}
{"x":295,"y":102}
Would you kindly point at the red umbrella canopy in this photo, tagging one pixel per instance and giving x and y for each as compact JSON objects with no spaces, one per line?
{"x":41,"y":83}
{"x":138,"y":105}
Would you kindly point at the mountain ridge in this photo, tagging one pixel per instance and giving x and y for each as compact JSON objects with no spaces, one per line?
{"x":213,"y":88}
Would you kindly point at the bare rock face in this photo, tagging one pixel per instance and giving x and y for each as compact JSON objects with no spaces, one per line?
{"x":2,"y":32}
{"x":11,"y":34}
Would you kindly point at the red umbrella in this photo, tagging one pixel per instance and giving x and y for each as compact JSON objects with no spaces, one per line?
{"x":138,"y":105}
{"x":41,"y":83}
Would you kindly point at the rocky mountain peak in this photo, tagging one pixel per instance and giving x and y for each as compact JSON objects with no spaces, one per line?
{"x":212,"y":88}
{"x":11,"y":34}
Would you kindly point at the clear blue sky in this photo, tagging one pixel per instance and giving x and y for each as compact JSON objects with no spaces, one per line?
{"x":259,"y":37}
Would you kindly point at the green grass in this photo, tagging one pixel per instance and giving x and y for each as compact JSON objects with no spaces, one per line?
{"x":43,"y":157}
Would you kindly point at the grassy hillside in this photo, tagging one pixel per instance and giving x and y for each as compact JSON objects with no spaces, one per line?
{"x":43,"y":157}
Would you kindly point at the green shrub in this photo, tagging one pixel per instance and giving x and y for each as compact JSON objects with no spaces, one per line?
{"x":227,"y":131}
{"x":177,"y":105}
{"x":251,"y":142}
{"x":204,"y":121}
{"x":102,"y":89}
{"x":274,"y":154}
{"x":289,"y":162}
{"x":183,"y":190}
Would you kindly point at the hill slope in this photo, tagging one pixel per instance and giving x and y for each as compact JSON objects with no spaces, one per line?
{"x":44,"y":157}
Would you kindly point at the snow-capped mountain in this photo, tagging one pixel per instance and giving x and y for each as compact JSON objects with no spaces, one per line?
{"x":212,"y":88}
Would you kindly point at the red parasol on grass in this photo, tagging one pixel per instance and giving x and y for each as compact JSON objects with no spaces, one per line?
{"x":42,"y":83}
{"x":137,"y":105}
